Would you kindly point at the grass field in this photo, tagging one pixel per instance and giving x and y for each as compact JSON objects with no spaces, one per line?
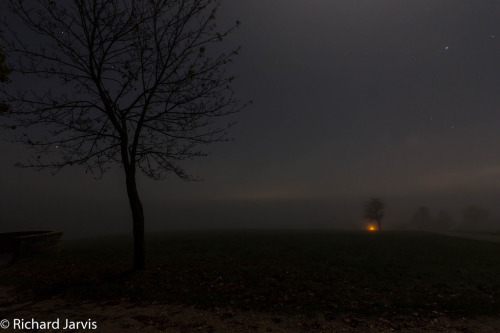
{"x":328,"y":272}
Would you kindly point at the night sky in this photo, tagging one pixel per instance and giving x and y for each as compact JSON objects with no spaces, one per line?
{"x":352,"y":99}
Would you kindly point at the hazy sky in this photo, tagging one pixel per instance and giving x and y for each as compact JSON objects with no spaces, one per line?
{"x":352,"y":99}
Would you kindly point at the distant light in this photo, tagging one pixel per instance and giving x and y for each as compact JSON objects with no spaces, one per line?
{"x":371,"y":227}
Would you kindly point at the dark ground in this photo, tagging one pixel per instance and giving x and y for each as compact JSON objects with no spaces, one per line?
{"x":266,"y":282}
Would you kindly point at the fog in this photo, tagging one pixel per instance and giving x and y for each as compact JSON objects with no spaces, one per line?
{"x":353,"y":99}
{"x":82,"y":206}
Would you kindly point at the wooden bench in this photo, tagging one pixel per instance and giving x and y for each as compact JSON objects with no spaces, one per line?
{"x":30,"y":243}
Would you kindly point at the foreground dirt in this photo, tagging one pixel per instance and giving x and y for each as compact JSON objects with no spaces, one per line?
{"x":128,"y":317}
{"x":123,"y":316}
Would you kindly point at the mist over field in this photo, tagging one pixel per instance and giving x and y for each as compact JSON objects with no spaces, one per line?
{"x":82,"y":206}
{"x":340,"y":172}
{"x":346,"y":107}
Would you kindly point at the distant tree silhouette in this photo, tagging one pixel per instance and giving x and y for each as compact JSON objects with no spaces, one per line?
{"x":136,"y":82}
{"x":422,"y":219}
{"x":474,"y":218}
{"x":374,"y":211}
{"x":443,"y":221}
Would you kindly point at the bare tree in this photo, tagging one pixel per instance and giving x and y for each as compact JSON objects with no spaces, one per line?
{"x":140,"y":83}
{"x":374,"y":211}
{"x":4,"y":74}
{"x":4,"y":69}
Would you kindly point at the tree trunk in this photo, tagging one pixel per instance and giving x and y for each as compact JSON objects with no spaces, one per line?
{"x":379,"y":225}
{"x":138,"y":221}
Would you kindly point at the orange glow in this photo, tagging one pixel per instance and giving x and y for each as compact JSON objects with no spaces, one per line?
{"x":371,"y":227}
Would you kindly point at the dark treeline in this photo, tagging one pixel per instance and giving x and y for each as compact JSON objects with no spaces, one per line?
{"x":472,"y":218}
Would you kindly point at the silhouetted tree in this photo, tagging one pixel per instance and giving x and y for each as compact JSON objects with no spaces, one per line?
{"x":139,"y":83}
{"x":4,"y":72}
{"x":474,"y":218}
{"x":374,"y":210}
{"x":4,"y":69}
{"x":443,"y":221}
{"x":422,"y":219}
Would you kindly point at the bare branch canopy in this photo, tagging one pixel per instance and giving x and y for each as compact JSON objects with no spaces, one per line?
{"x":138,"y":83}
